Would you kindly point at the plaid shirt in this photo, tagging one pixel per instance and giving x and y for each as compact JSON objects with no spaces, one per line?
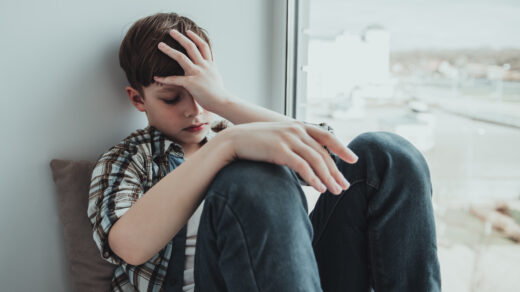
{"x":120,"y":177}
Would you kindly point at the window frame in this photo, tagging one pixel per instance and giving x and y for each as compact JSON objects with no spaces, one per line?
{"x":296,"y":45}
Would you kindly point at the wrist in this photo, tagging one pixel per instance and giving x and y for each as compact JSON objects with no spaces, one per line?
{"x":224,"y":145}
{"x":221,"y":103}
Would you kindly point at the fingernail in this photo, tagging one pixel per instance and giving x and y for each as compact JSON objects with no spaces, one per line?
{"x":345,"y":183}
{"x":161,"y":45}
{"x":323,"y":188}
{"x":354,"y":154}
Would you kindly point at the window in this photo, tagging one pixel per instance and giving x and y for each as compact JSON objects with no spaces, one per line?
{"x":446,"y":76}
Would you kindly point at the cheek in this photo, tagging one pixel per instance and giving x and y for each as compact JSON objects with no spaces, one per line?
{"x":166,"y":110}
{"x":172,"y":115}
{"x":160,"y":112}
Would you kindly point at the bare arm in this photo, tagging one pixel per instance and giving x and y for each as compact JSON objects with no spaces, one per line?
{"x":238,"y":111}
{"x":164,"y":209}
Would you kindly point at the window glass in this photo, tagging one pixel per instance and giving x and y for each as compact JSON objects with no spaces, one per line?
{"x":446,"y":76}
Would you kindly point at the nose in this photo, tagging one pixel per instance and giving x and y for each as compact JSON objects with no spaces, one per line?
{"x":194,"y":108}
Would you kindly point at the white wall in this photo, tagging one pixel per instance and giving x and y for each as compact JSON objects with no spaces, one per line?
{"x":62,"y":97}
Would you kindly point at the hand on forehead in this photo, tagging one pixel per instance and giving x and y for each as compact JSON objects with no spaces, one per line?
{"x":167,"y":87}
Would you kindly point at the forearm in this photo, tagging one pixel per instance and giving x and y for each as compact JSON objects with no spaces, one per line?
{"x":165,"y":208}
{"x":238,"y":111}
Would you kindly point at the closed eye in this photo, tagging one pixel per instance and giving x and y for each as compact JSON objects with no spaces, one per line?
{"x":171,"y":101}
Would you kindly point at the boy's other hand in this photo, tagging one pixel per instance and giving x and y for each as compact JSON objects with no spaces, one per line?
{"x":296,"y":145}
{"x":201,"y":76}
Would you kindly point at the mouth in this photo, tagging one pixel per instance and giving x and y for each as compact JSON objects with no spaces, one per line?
{"x":196,"y":127}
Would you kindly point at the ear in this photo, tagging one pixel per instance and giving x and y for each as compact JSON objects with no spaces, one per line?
{"x":135,"y":98}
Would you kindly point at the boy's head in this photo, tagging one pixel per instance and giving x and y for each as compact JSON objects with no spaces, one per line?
{"x":141,"y":59}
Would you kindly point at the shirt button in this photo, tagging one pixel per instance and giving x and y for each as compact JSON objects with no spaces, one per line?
{"x":105,"y":254}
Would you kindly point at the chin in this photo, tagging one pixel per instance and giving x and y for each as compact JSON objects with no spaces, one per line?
{"x":195,"y":137}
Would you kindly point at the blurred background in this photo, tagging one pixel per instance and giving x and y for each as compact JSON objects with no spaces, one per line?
{"x":446,"y":76}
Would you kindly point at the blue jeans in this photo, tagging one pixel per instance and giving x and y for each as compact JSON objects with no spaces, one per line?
{"x":255,"y":234}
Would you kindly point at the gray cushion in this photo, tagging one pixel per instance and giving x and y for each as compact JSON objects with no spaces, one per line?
{"x":88,"y":271}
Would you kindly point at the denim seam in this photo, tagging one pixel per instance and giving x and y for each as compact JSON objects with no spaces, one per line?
{"x":318,"y":237}
{"x":371,"y":238}
{"x":372,"y":247}
{"x":373,"y":258}
{"x":374,"y":186}
{"x":226,"y":205}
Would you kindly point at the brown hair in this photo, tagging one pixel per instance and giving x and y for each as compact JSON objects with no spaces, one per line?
{"x":139,"y":56}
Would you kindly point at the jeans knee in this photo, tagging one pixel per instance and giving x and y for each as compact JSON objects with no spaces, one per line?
{"x":256,"y":185}
{"x":398,"y":151}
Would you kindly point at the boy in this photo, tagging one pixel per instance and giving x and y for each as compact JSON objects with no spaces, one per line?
{"x":176,"y":186}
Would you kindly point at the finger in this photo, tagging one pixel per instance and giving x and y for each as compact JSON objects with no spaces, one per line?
{"x":326,"y":138}
{"x":201,"y":44}
{"x":301,"y":166}
{"x":318,"y":165}
{"x":170,"y":80}
{"x":178,"y":56}
{"x":331,"y":165}
{"x":190,"y":47}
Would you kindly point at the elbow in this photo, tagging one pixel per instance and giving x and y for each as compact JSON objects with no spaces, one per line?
{"x":123,"y":248}
{"x":135,"y":262}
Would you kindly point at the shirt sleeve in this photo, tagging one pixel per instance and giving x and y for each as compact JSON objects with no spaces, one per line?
{"x":115,"y":186}
{"x":325,"y":127}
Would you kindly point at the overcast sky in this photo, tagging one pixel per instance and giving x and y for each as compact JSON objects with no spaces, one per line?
{"x":432,"y":24}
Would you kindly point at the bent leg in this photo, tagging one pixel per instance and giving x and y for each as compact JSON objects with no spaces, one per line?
{"x":254,"y":232}
{"x":381,"y":231}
